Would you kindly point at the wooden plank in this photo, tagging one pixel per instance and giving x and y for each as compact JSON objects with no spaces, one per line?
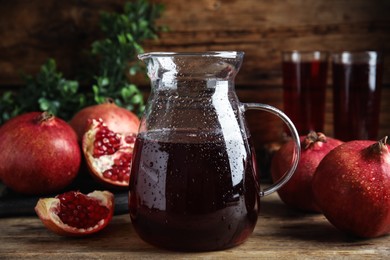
{"x":33,"y":31}
{"x":62,"y":29}
{"x":281,"y":233}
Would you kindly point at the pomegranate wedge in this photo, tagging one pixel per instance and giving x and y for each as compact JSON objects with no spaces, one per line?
{"x":75,"y":214}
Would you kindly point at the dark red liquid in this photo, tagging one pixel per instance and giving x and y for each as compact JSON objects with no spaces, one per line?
{"x":356,"y":90}
{"x":193,"y":195}
{"x":304,"y":91}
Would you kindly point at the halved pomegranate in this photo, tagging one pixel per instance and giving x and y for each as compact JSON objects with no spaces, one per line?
{"x":75,"y":214}
{"x":108,"y":154}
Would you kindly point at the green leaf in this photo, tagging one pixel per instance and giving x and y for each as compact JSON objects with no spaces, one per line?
{"x":51,"y":106}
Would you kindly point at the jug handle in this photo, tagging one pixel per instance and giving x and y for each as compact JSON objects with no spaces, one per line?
{"x":297,"y":148}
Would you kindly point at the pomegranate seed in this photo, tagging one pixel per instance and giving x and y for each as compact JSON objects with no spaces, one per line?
{"x":77,"y":210}
{"x":107,"y":174}
{"x":130,"y":139}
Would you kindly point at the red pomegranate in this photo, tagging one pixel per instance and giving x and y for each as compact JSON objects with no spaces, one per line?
{"x":118,"y":119}
{"x":297,"y":192}
{"x":39,"y":153}
{"x":352,"y":187}
{"x":75,"y":214}
{"x":108,"y":154}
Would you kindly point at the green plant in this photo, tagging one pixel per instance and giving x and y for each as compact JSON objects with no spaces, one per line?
{"x":47,"y":91}
{"x":115,"y":59}
{"x":117,"y":52}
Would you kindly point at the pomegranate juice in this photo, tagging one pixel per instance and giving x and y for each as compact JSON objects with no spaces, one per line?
{"x":356,"y":90}
{"x":304,"y":90}
{"x":197,"y":193}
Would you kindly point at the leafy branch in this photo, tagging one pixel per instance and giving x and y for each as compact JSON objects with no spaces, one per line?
{"x":47,"y":91}
{"x":117,"y":52}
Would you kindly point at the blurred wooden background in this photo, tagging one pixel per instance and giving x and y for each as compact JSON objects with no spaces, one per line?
{"x":32,"y":31}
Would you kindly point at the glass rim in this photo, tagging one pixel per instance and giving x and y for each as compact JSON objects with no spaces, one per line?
{"x":357,"y":52}
{"x":305,"y":55}
{"x":346,"y":57}
{"x":305,"y":51}
{"x":218,"y":54}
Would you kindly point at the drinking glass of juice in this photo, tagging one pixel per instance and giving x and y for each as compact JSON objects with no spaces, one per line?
{"x":357,"y":82}
{"x":304,"y":88}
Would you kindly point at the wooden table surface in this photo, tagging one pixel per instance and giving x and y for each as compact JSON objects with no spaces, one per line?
{"x":280,"y":233}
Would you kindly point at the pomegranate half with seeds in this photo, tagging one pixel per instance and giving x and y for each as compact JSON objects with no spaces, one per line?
{"x":108,"y":154}
{"x":75,"y":214}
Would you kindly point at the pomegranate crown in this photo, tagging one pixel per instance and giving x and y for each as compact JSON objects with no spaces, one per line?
{"x":313,"y":137}
{"x":379,"y":147}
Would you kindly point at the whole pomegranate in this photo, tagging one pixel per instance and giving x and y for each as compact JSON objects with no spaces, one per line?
{"x":118,"y":119}
{"x":39,"y":153}
{"x":352,"y":187}
{"x":108,"y":154}
{"x":75,"y":214}
{"x":297,"y":192}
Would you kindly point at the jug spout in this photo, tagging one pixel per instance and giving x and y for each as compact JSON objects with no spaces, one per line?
{"x":175,"y":66}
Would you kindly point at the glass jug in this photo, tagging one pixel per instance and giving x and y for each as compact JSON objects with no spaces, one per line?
{"x":193,"y":181}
